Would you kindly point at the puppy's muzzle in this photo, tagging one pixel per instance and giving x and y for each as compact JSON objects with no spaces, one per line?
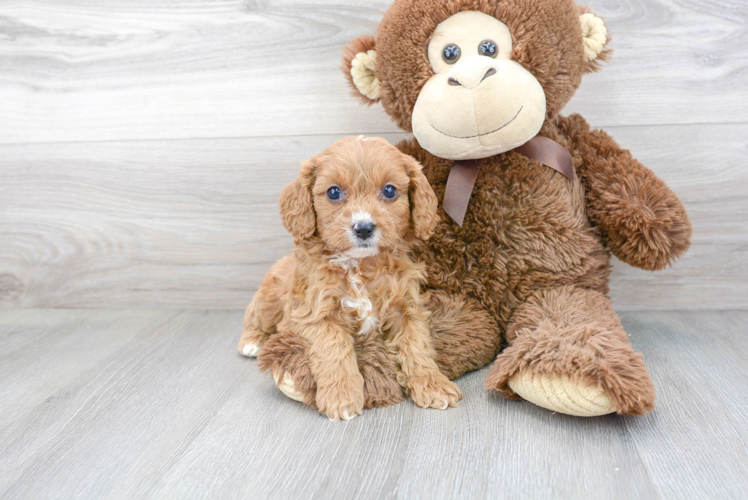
{"x":364,"y":230}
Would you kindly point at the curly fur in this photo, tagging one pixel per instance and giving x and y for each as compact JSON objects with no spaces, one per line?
{"x":359,"y":317}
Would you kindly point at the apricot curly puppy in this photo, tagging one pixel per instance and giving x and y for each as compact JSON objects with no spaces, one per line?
{"x":354,"y":212}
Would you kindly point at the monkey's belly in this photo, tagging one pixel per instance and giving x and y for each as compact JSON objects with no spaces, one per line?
{"x":502,"y":264}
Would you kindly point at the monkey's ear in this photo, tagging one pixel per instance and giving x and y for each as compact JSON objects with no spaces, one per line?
{"x":296,"y":204}
{"x":594,"y":37}
{"x":359,"y":63}
{"x":423,"y":202}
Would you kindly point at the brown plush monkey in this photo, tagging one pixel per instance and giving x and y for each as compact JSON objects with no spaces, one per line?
{"x":531,"y":203}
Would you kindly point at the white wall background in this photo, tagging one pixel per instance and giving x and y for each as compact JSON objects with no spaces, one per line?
{"x":143,"y":143}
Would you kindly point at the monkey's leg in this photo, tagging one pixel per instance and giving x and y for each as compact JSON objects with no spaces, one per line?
{"x":569,"y":353}
{"x":464,"y":335}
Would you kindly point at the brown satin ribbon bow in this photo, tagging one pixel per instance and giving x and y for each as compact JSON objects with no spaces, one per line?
{"x":464,"y":173}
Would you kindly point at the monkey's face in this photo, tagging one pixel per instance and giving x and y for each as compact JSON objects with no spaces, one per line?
{"x":470,"y":78}
{"x":479,"y":102}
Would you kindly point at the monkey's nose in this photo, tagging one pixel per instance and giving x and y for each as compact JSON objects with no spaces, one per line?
{"x":364,"y":230}
{"x":472,"y":71}
{"x":455,"y":82}
{"x":490,"y":72}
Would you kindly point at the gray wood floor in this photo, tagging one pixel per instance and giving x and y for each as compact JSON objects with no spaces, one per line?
{"x":157,"y":404}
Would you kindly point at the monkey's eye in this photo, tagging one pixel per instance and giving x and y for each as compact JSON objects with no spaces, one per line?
{"x":488,"y":48}
{"x":389,"y":192}
{"x":334,"y":193}
{"x":451,"y":53}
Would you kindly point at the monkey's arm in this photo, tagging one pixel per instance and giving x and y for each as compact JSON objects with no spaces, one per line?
{"x":642,"y":221}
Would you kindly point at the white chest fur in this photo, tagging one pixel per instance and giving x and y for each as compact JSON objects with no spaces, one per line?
{"x":359,"y":303}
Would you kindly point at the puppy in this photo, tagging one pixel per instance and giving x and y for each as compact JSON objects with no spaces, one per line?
{"x":354,"y":211}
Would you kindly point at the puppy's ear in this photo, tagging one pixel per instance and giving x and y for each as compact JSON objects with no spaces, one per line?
{"x":423,"y":202}
{"x":296,"y":204}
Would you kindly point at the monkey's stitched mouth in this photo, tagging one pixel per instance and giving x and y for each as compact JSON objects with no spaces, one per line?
{"x":479,"y":135}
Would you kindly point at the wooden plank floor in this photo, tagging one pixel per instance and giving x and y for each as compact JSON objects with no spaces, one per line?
{"x":157,"y":404}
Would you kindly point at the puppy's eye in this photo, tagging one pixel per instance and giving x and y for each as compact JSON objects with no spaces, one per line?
{"x":389,"y":192}
{"x":451,"y":53}
{"x":334,"y":193}
{"x":488,"y":48}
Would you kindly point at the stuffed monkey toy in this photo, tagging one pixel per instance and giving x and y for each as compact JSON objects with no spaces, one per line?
{"x":532,"y":204}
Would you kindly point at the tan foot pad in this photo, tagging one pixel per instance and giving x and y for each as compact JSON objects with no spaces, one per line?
{"x":558,"y":393}
{"x":286,"y":386}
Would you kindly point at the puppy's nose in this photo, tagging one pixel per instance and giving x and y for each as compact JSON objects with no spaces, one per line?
{"x":364,"y":230}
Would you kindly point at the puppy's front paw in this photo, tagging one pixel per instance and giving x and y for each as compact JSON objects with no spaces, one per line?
{"x":342,"y":401}
{"x":344,"y":412}
{"x":434,"y":391}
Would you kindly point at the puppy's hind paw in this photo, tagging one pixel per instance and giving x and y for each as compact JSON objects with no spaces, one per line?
{"x":250,"y":350}
{"x":251,"y":342}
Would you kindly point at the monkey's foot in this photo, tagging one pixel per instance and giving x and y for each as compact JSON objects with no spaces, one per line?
{"x":288,"y":387}
{"x":558,"y":393}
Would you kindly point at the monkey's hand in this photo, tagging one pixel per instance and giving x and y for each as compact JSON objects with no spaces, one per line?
{"x":642,"y":221}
